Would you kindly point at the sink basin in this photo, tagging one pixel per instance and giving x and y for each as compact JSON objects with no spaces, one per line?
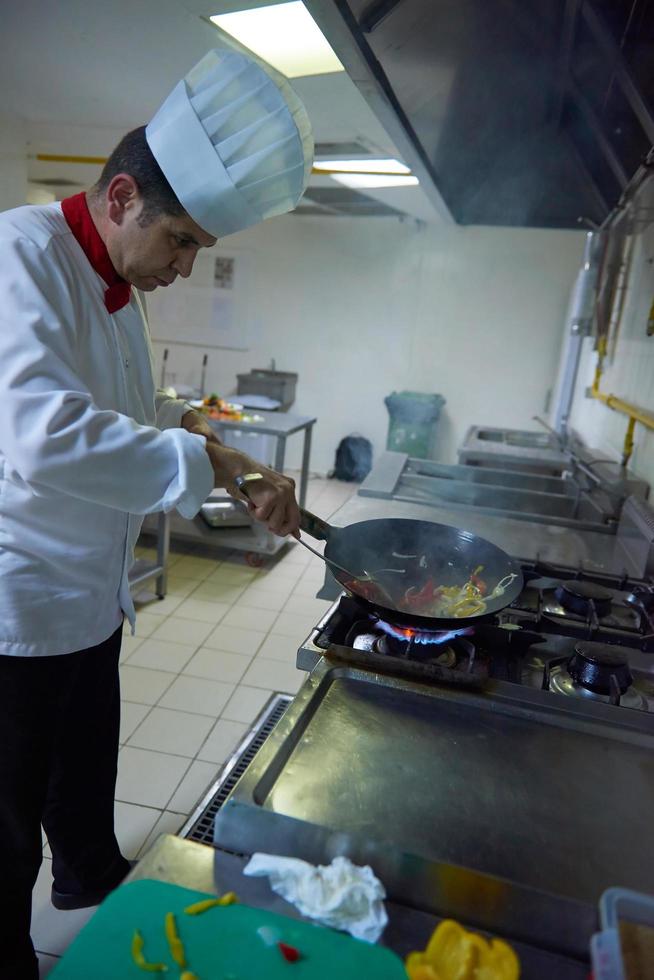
{"x":279,"y":385}
{"x":516,"y":449}
{"x":485,"y":476}
{"x":511,"y":501}
{"x":514,"y":437}
{"x":531,"y":440}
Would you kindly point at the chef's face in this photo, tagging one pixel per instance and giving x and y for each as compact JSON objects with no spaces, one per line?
{"x":150,"y":251}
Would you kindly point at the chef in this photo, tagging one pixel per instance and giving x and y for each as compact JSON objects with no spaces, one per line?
{"x":87,"y":447}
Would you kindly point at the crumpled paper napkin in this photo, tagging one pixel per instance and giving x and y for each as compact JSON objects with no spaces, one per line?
{"x":341,"y":895}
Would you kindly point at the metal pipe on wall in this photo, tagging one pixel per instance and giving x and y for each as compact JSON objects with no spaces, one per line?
{"x":634,"y":413}
{"x":579,"y":319}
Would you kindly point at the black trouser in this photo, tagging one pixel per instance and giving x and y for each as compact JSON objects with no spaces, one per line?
{"x":59,"y":725}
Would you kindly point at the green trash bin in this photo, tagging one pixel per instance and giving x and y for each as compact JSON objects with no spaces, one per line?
{"x":413,"y":419}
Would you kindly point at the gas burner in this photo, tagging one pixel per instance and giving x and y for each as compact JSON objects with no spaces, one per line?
{"x":600,"y":667}
{"x":584,"y":598}
{"x":536,"y":643}
{"x":445,"y":648}
{"x":580,"y":608}
{"x":598,"y":671}
{"x":406,"y":634}
{"x":444,"y":656}
{"x":435,"y":647}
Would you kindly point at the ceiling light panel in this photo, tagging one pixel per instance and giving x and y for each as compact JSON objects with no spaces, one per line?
{"x":367,"y":166}
{"x":285,"y":35}
{"x":375,"y":180}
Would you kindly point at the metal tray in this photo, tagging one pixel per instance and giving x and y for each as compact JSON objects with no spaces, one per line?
{"x":547,"y":800}
{"x":225,"y":512}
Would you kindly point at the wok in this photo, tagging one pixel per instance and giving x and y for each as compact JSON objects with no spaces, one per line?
{"x":447,"y":555}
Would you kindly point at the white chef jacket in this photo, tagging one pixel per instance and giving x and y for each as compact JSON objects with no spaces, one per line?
{"x":82,"y":451}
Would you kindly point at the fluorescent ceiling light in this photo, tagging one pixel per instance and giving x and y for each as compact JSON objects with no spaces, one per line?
{"x":285,"y":35}
{"x":383,"y":167}
{"x":374,"y":180}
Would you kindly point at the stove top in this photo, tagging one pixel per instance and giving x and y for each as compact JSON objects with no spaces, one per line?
{"x":589,"y":606}
{"x":578,"y":634}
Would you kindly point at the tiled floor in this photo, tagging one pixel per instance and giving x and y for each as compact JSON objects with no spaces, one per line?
{"x":203,"y":663}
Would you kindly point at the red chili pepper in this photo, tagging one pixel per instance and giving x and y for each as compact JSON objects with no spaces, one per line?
{"x":479,"y":582}
{"x":290,"y":953}
{"x":366,"y":590}
{"x":423,"y":597}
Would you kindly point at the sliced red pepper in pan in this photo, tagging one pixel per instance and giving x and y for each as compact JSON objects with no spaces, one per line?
{"x":421,"y":598}
{"x":366,"y":590}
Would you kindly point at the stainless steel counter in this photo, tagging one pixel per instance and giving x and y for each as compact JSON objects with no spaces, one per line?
{"x":511,"y":809}
{"x":206,"y":869}
{"x":548,"y":542}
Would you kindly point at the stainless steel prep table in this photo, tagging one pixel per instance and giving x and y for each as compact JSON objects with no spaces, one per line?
{"x":206,"y":869}
{"x":280,"y":425}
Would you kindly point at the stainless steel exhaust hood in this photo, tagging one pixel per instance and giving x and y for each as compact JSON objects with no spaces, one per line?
{"x":511,"y":112}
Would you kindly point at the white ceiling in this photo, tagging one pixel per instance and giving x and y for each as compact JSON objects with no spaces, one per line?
{"x":81,"y":73}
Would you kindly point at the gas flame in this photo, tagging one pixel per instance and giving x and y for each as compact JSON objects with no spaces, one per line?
{"x":422,"y":636}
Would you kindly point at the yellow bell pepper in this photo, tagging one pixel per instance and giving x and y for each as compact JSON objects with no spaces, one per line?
{"x":174,"y":941}
{"x":453,"y":953}
{"x":138,"y":944}
{"x":229,"y":898}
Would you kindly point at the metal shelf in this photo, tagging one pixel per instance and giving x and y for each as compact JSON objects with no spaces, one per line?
{"x":255,"y":538}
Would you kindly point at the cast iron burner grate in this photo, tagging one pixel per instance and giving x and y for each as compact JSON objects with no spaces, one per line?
{"x":584,"y":598}
{"x":200,"y":826}
{"x":594,"y":670}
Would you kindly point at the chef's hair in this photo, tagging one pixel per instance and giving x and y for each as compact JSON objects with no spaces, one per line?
{"x":133,"y":156}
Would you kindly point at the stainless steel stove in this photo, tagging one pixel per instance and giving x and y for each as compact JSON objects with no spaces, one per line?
{"x":573,"y":633}
{"x":591,"y":606}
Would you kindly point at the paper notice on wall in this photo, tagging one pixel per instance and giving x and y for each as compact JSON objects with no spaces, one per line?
{"x":225,"y":297}
{"x":213,"y":307}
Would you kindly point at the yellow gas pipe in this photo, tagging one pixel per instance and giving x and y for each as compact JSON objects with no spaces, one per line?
{"x":66,"y":158}
{"x":634,"y":413}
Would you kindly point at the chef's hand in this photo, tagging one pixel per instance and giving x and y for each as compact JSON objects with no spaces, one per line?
{"x":196,"y":423}
{"x":270,"y":499}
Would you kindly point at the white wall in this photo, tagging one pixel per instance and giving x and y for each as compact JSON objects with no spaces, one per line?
{"x":629,"y":370}
{"x":488,"y":323}
{"x":13,"y":163}
{"x":361,"y":307}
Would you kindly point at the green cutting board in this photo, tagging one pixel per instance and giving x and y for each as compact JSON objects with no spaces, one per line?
{"x":220,"y":944}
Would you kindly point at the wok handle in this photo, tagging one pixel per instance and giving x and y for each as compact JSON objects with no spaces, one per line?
{"x":309,"y":523}
{"x":314,"y":526}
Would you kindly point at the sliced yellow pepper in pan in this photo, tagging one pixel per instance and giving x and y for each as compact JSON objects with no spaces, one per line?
{"x":453,"y":953}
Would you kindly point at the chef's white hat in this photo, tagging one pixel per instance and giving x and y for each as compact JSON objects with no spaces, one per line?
{"x":234,"y":142}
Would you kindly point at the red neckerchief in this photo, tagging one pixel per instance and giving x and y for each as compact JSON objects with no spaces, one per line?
{"x":80,"y":222}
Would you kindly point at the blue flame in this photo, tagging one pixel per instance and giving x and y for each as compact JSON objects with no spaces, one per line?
{"x":426,"y":638}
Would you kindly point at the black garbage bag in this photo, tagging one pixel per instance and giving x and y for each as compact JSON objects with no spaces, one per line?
{"x":353,"y":459}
